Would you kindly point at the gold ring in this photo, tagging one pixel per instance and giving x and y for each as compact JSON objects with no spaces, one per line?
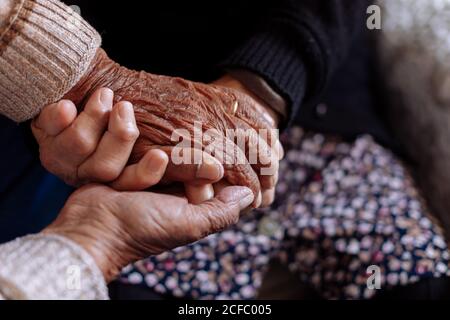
{"x":235,"y":107}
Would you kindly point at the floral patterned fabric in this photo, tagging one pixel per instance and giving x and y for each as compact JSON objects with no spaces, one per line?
{"x":340,"y":208}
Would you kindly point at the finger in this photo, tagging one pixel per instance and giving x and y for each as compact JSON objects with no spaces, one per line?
{"x":207,"y":170}
{"x":262,"y":159}
{"x":255,"y":116}
{"x":272,"y":138}
{"x":190,"y":165}
{"x":268,"y":197}
{"x":221,"y":212}
{"x":273,"y":180}
{"x":114,"y":149}
{"x":83,"y":136}
{"x":265,"y":162}
{"x":197,"y":194}
{"x":239,"y":172}
{"x":54,"y":118}
{"x":252,"y":113}
{"x":280,"y":149}
{"x":143,"y":175}
{"x":221,"y":185}
{"x":276,"y":177}
{"x":98,"y":108}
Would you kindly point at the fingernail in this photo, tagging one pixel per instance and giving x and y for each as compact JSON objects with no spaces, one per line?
{"x":209,"y":169}
{"x":280,"y":150}
{"x":106,"y":96}
{"x":126,"y":111}
{"x":258,"y":200}
{"x":267,"y":198}
{"x":242,"y":195}
{"x":244,"y":203}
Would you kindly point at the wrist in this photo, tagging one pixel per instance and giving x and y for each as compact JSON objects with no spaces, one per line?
{"x":99,"y":247}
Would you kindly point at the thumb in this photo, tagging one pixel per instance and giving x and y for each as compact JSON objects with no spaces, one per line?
{"x":241,"y":197}
{"x":222,"y":211}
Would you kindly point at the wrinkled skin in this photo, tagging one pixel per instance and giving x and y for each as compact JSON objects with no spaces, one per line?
{"x":163,"y":104}
{"x":94,"y":146}
{"x":118,"y":228}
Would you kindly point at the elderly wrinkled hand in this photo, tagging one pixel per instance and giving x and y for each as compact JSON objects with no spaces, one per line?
{"x":164,"y":105}
{"x":118,"y":228}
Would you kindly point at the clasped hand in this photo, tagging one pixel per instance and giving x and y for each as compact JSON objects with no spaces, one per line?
{"x":117,"y":222}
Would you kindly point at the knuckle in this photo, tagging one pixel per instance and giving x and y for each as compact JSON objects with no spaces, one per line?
{"x":82,"y":144}
{"x":95,"y":114}
{"x":127,"y":133}
{"x":98,"y":112}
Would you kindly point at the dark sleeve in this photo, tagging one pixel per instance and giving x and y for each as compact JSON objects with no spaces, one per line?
{"x":298,"y":44}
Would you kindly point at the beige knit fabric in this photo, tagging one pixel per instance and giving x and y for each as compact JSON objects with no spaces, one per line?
{"x":49,"y":267}
{"x":45,"y":48}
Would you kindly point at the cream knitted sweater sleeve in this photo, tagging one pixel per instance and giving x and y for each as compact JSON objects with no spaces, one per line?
{"x":45,"y":48}
{"x":48,"y":267}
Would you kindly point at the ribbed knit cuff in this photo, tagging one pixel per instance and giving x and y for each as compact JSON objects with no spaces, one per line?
{"x":274,"y":56}
{"x":45,"y":49}
{"x":49,"y":267}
